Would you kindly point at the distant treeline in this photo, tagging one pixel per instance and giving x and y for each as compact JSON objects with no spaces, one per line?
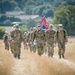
{"x":40,"y":7}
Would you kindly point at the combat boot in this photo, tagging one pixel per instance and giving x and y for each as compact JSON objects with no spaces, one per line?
{"x":62,"y":56}
{"x":59,"y":56}
{"x":18,"y":56}
{"x":15,"y":56}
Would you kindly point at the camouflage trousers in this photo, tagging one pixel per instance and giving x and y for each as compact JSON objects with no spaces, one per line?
{"x":45,"y":49}
{"x":40,"y":48}
{"x":6,"y":45}
{"x":32,"y":47}
{"x":50,"y":47}
{"x":61,"y":47}
{"x":16,"y":49}
{"x":25,"y":45}
{"x":12,"y":47}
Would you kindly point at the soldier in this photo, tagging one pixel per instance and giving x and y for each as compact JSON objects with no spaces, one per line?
{"x":31,"y":41}
{"x":25,"y":41}
{"x":11,"y":43}
{"x":50,"y":35}
{"x":40,"y":37}
{"x":35,"y":43}
{"x":62,"y":39}
{"x":6,"y":40}
{"x":17,"y":38}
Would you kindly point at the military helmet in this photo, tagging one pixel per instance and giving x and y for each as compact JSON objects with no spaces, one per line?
{"x":34,"y":28}
{"x":38,"y":25}
{"x":31,"y":28}
{"x":24,"y":32}
{"x":60,"y":25}
{"x":51,"y":25}
{"x":13,"y":25}
{"x":17,"y":26}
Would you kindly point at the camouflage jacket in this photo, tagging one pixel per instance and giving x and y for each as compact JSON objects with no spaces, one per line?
{"x":5,"y":38}
{"x":17,"y":35}
{"x":62,"y":36}
{"x":30,"y":37}
{"x":50,"y":34}
{"x":40,"y":35}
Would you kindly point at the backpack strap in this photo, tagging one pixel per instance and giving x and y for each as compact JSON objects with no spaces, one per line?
{"x":64,"y":33}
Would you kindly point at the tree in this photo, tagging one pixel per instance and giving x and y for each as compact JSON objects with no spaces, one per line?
{"x":48,"y":13}
{"x":31,"y":23}
{"x":43,"y":10}
{"x":65,"y":15}
{"x":2,"y":31}
{"x":3,"y":18}
{"x":17,"y":9}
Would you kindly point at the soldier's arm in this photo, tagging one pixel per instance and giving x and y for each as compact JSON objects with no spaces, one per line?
{"x":55,"y":37}
{"x":21,"y":36}
{"x":66,"y":36}
{"x":12,"y":35}
{"x":34,"y":35}
{"x":4,"y":37}
{"x":46,"y":35}
{"x":28,"y":37}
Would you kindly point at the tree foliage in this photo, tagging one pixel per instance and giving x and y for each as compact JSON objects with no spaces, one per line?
{"x":34,"y":6}
{"x":66,"y":15}
{"x":31,"y":23}
{"x":8,"y":20}
{"x":2,"y":31}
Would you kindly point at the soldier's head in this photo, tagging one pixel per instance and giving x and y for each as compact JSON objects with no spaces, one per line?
{"x":6,"y":32}
{"x":16,"y":27}
{"x":31,"y":29}
{"x":50,"y":26}
{"x":34,"y":28}
{"x":38,"y":27}
{"x":60,"y":27}
{"x":25,"y":33}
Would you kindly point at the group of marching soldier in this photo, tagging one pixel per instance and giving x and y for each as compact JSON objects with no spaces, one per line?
{"x":37,"y":40}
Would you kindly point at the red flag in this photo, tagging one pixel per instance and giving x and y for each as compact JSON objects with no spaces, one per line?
{"x":44,"y":24}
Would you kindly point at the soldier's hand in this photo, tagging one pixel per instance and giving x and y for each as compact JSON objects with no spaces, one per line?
{"x":65,"y":42}
{"x":12,"y":41}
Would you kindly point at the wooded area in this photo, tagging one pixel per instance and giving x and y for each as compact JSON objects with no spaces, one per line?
{"x":61,"y":11}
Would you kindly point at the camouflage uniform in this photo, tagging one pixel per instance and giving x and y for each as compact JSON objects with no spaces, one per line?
{"x":61,"y":37}
{"x":12,"y":44}
{"x":40,"y":38}
{"x":25,"y":41}
{"x":6,"y":41}
{"x":31,"y":41}
{"x":50,"y":41}
{"x":17,"y":36}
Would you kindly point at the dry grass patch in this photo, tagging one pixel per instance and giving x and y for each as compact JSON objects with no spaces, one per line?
{"x":5,"y":61}
{"x":70,"y":49}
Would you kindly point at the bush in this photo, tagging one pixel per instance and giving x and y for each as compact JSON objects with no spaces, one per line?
{"x":24,"y":29}
{"x":2,"y":31}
